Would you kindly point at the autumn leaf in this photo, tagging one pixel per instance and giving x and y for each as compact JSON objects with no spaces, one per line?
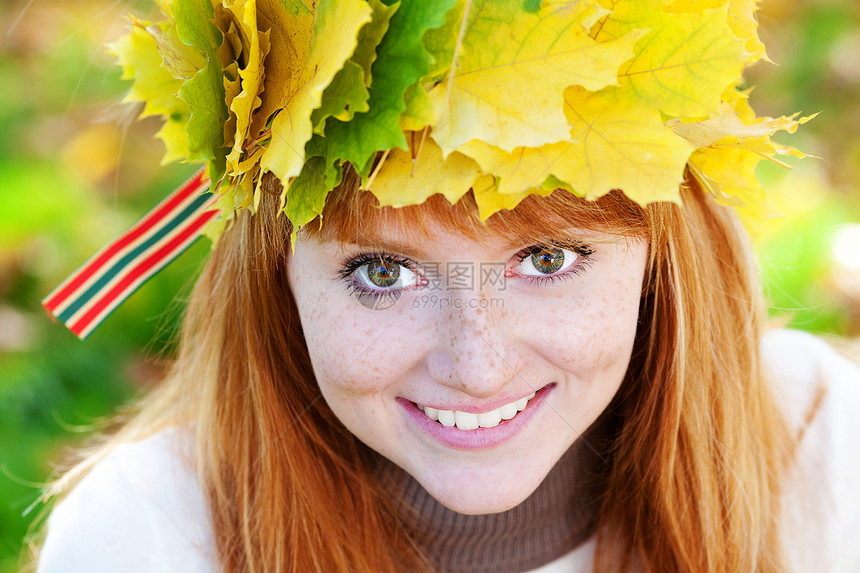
{"x":730,"y":147}
{"x":401,"y":61}
{"x":307,"y":51}
{"x":232,"y":88}
{"x":419,"y":109}
{"x":508,"y":72}
{"x":729,"y":125}
{"x":402,"y":181}
{"x":347,"y":93}
{"x":684,"y":63}
{"x":520,"y":170}
{"x":730,"y":176}
{"x":620,"y":143}
{"x":137,"y":54}
{"x":181,"y":60}
{"x":253,"y":46}
{"x":370,"y":36}
{"x":741,"y":20}
{"x":343,"y":98}
{"x":204,"y":92}
{"x":490,"y":201}
{"x":729,"y":171}
{"x":306,"y":197}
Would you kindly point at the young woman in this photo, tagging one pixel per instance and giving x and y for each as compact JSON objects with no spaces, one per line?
{"x":485,"y":381}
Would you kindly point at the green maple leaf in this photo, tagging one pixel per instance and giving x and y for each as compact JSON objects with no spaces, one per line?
{"x":347,"y":93}
{"x":401,"y":60}
{"x":306,"y":196}
{"x":204,"y":91}
{"x":370,"y":36}
{"x":345,"y":96}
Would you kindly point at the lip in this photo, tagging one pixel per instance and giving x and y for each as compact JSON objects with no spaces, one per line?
{"x":479,"y":438}
{"x":479,"y":408}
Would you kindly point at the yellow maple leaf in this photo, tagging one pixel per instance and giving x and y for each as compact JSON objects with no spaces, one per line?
{"x":741,"y":20}
{"x":625,"y":16}
{"x":402,"y":181}
{"x":490,"y":200}
{"x":307,"y":49}
{"x":730,"y":176}
{"x":509,"y":68}
{"x":734,"y":169}
{"x":137,"y":53}
{"x":738,"y":128}
{"x":519,"y":170}
{"x":181,"y":60}
{"x":684,"y":63}
{"x":616,"y":142}
{"x":254,"y":47}
{"x":620,"y":143}
{"x":688,"y":56}
{"x":232,"y":88}
{"x":175,"y":138}
{"x":729,"y":125}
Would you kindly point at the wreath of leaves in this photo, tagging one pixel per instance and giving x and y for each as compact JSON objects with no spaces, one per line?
{"x":506,"y":98}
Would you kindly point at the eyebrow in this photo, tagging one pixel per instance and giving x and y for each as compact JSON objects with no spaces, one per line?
{"x":388,"y":246}
{"x":412,"y":251}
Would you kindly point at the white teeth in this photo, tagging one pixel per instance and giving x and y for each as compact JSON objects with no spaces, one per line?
{"x":490,"y":419}
{"x":446,"y":417}
{"x":508,"y":411}
{"x":469,"y":421}
{"x":465,"y":420}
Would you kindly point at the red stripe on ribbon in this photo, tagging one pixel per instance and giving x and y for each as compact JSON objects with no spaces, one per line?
{"x":190,"y":187}
{"x":140,"y":269}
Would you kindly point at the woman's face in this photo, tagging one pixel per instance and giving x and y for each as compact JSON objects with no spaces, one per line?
{"x":472,"y":365}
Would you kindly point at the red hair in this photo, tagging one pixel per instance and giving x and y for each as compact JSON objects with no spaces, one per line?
{"x":698,"y":449}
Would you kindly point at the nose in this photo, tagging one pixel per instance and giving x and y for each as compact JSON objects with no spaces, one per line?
{"x":474,"y":354}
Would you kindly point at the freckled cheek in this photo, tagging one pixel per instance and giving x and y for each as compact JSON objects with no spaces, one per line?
{"x":587,"y":338}
{"x":358,"y":352}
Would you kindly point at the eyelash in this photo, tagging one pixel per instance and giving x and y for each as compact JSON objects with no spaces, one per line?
{"x":584,"y":262}
{"x":352,"y":265}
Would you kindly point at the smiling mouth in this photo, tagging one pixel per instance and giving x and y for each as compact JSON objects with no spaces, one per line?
{"x":470,"y":421}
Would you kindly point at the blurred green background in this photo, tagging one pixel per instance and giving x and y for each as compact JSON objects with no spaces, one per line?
{"x":75,"y":170}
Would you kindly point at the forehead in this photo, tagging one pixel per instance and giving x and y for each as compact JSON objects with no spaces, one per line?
{"x":353,"y":216}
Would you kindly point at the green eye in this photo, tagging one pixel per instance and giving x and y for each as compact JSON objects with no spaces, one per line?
{"x":383,"y":273}
{"x":548,"y":261}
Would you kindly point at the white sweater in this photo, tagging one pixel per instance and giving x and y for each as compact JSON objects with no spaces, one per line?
{"x":141,"y":509}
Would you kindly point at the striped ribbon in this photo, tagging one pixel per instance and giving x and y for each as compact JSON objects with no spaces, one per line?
{"x":109,"y":277}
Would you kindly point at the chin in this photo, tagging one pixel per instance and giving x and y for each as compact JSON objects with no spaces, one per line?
{"x":476,"y":493}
